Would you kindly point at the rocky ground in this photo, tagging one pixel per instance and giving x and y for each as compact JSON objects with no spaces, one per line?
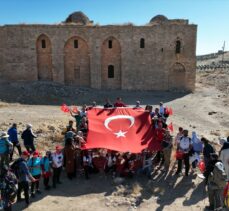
{"x":205,"y":111}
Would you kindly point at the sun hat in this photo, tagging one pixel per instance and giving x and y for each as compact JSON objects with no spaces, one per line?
{"x":4,"y":135}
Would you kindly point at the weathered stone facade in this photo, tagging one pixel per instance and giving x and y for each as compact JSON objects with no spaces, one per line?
{"x":158,"y":56}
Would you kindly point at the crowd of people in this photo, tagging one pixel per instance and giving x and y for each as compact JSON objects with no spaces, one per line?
{"x":26,"y":172}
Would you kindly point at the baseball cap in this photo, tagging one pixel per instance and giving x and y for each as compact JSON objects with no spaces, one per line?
{"x":25,"y":153}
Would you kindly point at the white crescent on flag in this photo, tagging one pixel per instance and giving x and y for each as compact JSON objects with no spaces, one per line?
{"x":110,"y":119}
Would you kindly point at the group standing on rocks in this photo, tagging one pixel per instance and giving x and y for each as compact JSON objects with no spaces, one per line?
{"x":25,"y":173}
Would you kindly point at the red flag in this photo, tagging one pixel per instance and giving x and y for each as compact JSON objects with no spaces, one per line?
{"x":170,"y":111}
{"x":167,"y":110}
{"x":64,"y":108}
{"x":201,"y":166}
{"x":120,"y":129}
{"x":170,"y":127}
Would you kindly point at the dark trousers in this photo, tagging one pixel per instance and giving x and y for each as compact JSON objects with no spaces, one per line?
{"x":18,"y":146}
{"x":30,"y":148}
{"x":186,"y":163}
{"x":6,"y":202}
{"x":9,"y":208}
{"x":88,"y":170}
{"x":160,"y":157}
{"x":56,"y":175}
{"x":215,"y":197}
{"x":110,"y":169}
{"x":25,"y":187}
{"x":46,"y":181}
{"x":71,"y":175}
{"x":35,"y":184}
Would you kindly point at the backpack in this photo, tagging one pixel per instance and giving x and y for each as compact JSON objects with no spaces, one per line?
{"x":9,"y":186}
{"x":219,"y":175}
{"x":4,"y":144}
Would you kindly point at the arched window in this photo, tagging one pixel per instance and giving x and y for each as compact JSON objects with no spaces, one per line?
{"x":76,"y":44}
{"x":110,"y":44}
{"x":178,"y":46}
{"x":43,"y":44}
{"x":44,"y":58}
{"x":142,"y":43}
{"x":111,"y":71}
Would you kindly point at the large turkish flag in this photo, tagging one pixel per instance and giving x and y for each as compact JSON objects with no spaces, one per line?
{"x":120,"y":129}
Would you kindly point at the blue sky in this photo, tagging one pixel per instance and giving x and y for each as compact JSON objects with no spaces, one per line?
{"x":211,"y":16}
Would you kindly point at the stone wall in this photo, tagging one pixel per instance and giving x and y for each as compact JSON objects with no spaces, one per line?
{"x":111,"y":57}
{"x":44,"y":58}
{"x":76,"y":62}
{"x":153,"y":67}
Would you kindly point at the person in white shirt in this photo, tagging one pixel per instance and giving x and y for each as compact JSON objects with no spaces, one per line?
{"x":138,"y":104}
{"x":161,"y":109}
{"x":224,"y":156}
{"x":87,"y":163}
{"x":83,"y":111}
{"x":111,"y":162}
{"x":57,"y":163}
{"x":184,"y":146}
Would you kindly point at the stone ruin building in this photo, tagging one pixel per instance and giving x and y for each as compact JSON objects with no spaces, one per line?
{"x":160,"y":55}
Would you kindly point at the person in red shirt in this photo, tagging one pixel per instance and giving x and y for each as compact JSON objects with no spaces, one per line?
{"x":99,"y":162}
{"x":159,"y":136}
{"x":120,"y":165}
{"x":119,"y":103}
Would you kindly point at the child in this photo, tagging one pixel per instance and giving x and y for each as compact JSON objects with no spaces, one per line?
{"x":46,"y":169}
{"x":34,"y":165}
{"x":57,"y":163}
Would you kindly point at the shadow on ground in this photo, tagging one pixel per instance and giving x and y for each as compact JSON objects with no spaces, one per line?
{"x":46,"y":93}
{"x":165,"y":188}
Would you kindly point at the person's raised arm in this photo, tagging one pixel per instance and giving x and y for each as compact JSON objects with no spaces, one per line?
{"x":71,"y":112}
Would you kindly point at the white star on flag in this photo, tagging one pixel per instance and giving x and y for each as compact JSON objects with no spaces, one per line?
{"x":120,"y":134}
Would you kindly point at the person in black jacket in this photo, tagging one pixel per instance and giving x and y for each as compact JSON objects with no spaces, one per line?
{"x":214,"y":158}
{"x":108,"y":104}
{"x":208,"y":149}
{"x":28,"y":137}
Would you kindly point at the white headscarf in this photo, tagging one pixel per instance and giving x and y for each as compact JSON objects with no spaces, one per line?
{"x":195,"y":138}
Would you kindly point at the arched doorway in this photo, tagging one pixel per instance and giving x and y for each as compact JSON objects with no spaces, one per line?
{"x":111,"y":64}
{"x":44,"y":58}
{"x":76,"y":62}
{"x":177,"y":78}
